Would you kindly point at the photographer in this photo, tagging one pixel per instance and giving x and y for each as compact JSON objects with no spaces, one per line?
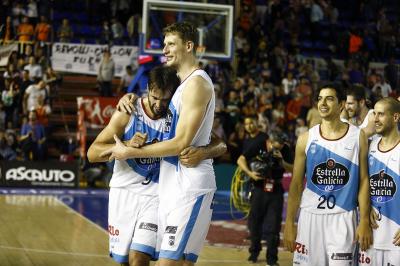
{"x":264,"y":160}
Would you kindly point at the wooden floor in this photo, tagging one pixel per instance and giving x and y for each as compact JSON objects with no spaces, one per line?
{"x":41,"y":230}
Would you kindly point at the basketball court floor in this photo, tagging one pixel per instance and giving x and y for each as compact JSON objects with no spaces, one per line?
{"x":67,"y":227}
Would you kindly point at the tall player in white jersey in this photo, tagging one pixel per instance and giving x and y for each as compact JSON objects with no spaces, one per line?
{"x":133,"y":198}
{"x":356,"y":111}
{"x":185,"y":193}
{"x":384,"y":175}
{"x":333,"y":156}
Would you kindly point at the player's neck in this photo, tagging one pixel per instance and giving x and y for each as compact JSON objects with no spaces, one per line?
{"x":390,"y":140}
{"x":333,"y":129}
{"x":186,"y":68}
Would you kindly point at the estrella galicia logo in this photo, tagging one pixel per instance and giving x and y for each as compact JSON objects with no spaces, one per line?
{"x":330,"y":176}
{"x":149,"y":164}
{"x":383,"y":187}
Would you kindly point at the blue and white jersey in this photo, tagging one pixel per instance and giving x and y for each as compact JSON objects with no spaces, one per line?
{"x":332,"y":172}
{"x":176,"y":180}
{"x":384,"y":180}
{"x":140,"y":174}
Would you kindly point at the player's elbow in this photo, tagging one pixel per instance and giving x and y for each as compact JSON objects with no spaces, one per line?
{"x":92,"y":155}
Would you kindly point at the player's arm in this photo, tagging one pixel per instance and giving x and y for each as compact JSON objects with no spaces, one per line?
{"x":105,"y":139}
{"x":363,"y":232}
{"x":295,"y":191}
{"x":195,"y":99}
{"x":191,"y":156}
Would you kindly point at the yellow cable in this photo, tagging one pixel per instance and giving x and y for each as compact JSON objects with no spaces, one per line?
{"x":238,"y":198}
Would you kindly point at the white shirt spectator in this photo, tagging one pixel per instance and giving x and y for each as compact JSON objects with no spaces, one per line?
{"x":289,"y":85}
{"x":35,"y":71}
{"x":34,"y":96}
{"x":316,"y":13}
{"x":386,"y":89}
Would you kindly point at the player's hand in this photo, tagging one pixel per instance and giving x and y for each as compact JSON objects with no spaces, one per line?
{"x":191,"y":156}
{"x":126,"y":103}
{"x":118,"y":151}
{"x":373,"y":217}
{"x":255,"y":175}
{"x":396,"y":238}
{"x":138,"y":140}
{"x":289,"y":236}
{"x":364,"y":235}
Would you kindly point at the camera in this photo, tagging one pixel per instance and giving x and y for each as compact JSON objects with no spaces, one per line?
{"x":264,"y":163}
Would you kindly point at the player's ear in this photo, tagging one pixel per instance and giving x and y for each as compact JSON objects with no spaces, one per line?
{"x":396,"y":117}
{"x":189,"y":46}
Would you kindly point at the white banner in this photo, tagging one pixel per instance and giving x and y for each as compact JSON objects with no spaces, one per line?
{"x":86,"y":58}
{"x":5,"y":52}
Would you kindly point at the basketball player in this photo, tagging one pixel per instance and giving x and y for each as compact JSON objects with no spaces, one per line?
{"x":133,"y":201}
{"x":357,"y":111}
{"x":384,"y":174}
{"x":185,"y":193}
{"x":333,"y":156}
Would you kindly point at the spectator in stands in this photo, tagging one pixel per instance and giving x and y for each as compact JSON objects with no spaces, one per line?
{"x":355,"y":42}
{"x":35,"y":70}
{"x":34,"y":94}
{"x":7,"y":30}
{"x":33,"y":138}
{"x":105,"y":74}
{"x":385,"y":36}
{"x":32,"y":11}
{"x":391,"y":73}
{"x":24,"y":83}
{"x":385,"y":88}
{"x":18,"y":12}
{"x":6,"y":152}
{"x":10,"y":98}
{"x":289,"y":83}
{"x":25,"y":31}
{"x":316,"y":18}
{"x":117,"y":31}
{"x":52,"y":79}
{"x":126,"y":80}
{"x":42,"y":30}
{"x":11,"y":73}
{"x":106,"y":33}
{"x":28,"y":52}
{"x":65,"y":33}
{"x":133,"y":27}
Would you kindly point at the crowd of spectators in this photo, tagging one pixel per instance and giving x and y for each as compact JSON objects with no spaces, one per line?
{"x":271,"y":76}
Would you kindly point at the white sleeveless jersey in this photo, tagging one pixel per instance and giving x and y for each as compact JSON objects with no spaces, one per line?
{"x":140,"y":174}
{"x":332,"y":172}
{"x":384,"y":180}
{"x":176,"y":180}
{"x":364,"y":124}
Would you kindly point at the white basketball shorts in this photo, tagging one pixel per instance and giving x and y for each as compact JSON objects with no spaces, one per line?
{"x":132,"y":223}
{"x":183,"y":230}
{"x":379,"y":257}
{"x":325,"y":239}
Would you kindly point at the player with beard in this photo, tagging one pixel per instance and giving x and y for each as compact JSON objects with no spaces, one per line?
{"x":357,"y":111}
{"x":384,"y":174}
{"x":333,"y":157}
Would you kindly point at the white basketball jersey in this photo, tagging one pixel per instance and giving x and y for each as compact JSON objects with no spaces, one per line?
{"x":139,"y":174}
{"x":176,"y":180}
{"x":332,"y":172}
{"x":364,"y":124}
{"x":384,"y":179}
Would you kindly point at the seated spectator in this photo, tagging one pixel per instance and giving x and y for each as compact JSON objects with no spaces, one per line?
{"x":34,"y":94}
{"x":293,"y":108}
{"x":6,"y":152}
{"x":7,"y":33}
{"x":32,"y":11}
{"x":35,"y":70}
{"x":65,"y":32}
{"x":25,"y":31}
{"x":289,"y":83}
{"x":32,"y":138}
